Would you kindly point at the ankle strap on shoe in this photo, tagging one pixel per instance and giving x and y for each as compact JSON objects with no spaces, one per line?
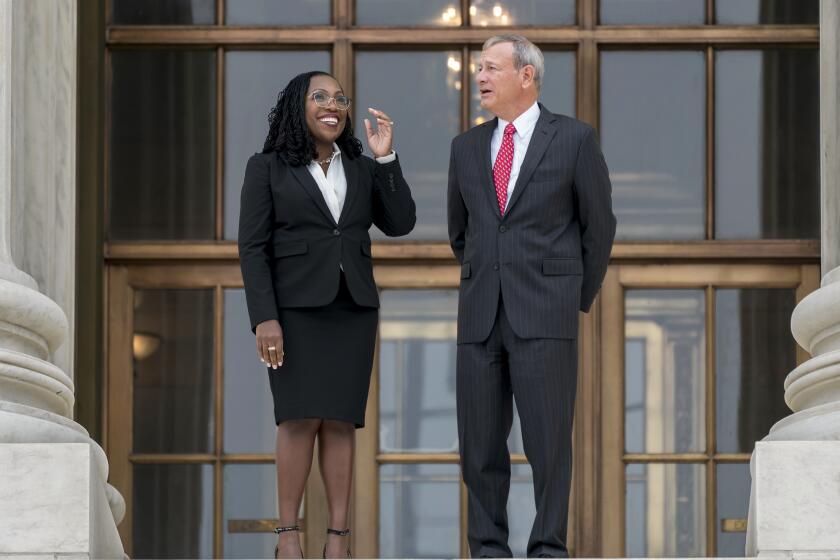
{"x":343,"y":533}
{"x":279,"y":530}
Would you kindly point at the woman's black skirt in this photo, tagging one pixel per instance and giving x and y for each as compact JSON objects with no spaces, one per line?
{"x":327,"y":362}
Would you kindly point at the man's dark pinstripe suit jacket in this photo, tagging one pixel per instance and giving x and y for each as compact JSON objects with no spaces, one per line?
{"x":548,"y":254}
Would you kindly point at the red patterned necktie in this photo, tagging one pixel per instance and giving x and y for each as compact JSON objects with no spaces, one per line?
{"x":502,"y":167}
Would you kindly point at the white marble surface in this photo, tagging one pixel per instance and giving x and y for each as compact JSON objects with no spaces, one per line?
{"x":55,"y":501}
{"x":52,"y":501}
{"x":796,"y":497}
{"x":44,"y":497}
{"x":43,"y":196}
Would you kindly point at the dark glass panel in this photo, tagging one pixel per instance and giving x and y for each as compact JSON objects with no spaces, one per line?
{"x":247,"y":108}
{"x":664,"y":371}
{"x":173,"y":511}
{"x":417,"y":371}
{"x":764,"y":12}
{"x":249,"y":494}
{"x":665,"y":511}
{"x":733,"y":503}
{"x":418,"y":511}
{"x":279,"y":13}
{"x":421,"y":91}
{"x":484,"y":13}
{"x":653,"y":12}
{"x":249,"y":409}
{"x":163,"y":12}
{"x":767,"y":137}
{"x":173,"y":371}
{"x":754,"y":352}
{"x":408,"y":12}
{"x":162,"y":162}
{"x":653,"y":115}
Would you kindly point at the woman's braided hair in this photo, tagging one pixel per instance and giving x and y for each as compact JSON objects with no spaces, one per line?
{"x":288,"y":133}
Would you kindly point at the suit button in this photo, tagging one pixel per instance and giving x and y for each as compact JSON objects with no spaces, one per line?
{"x":502,"y":229}
{"x":495,"y":266}
{"x":336,"y":232}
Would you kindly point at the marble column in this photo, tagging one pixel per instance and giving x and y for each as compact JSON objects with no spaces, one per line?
{"x":796,"y":468}
{"x":54,"y":496}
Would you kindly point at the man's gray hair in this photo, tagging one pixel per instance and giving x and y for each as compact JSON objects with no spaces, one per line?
{"x":524,"y":53}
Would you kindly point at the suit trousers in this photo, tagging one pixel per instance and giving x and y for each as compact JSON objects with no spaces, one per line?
{"x":541,"y":374}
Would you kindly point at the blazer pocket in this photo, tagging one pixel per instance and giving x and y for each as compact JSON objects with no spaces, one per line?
{"x":465,"y":270}
{"x":562,"y":266}
{"x":289,"y":248}
{"x":366,"y":249}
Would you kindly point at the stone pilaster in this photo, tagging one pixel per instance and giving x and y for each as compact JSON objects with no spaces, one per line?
{"x":812,"y":390}
{"x":54,"y":496}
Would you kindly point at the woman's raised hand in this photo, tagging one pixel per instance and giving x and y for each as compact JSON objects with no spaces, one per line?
{"x":381,"y":140}
{"x":270,"y":343}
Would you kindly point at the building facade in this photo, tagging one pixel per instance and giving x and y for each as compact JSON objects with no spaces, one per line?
{"x":708,"y":113}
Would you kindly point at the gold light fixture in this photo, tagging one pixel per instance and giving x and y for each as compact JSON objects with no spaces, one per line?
{"x":454,"y":64}
{"x":144,"y":345}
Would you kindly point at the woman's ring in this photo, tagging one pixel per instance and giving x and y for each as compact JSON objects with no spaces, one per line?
{"x":272,"y":348}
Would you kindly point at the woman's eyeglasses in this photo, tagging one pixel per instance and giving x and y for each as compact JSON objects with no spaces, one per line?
{"x":321,"y":99}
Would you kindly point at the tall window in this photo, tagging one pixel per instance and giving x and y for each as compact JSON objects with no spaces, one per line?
{"x":707,"y":114}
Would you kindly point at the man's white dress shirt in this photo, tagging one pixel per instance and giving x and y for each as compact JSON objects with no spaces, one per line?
{"x":524,"y":124}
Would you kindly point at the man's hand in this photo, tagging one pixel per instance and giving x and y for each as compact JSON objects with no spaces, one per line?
{"x":270,"y":343}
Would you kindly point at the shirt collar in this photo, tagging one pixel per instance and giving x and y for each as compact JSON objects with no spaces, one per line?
{"x":525,"y":122}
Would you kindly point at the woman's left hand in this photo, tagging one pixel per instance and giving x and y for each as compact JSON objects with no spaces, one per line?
{"x":381,"y":140}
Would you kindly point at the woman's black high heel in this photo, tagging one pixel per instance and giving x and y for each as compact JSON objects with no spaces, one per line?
{"x":343,"y":533}
{"x":278,"y":530}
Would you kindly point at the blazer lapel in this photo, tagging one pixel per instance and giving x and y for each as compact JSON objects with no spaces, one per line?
{"x":484,"y":165}
{"x":351,"y":176}
{"x":301,"y":173}
{"x":540,"y":139}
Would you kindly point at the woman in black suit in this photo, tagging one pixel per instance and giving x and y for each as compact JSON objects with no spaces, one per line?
{"x":308,"y":201}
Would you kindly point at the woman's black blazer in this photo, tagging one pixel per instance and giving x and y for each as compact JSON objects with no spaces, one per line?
{"x":290,"y":247}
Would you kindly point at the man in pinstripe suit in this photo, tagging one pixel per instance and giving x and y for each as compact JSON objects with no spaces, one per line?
{"x":531,"y":222}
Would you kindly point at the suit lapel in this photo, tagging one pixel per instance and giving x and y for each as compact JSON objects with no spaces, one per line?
{"x":540,"y":139}
{"x":351,"y":176}
{"x":486,"y":173}
{"x":301,"y":173}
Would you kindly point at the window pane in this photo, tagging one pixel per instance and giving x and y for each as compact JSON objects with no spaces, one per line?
{"x":767,"y":137}
{"x":521,"y":509}
{"x":664,"y":371}
{"x":421,"y":92}
{"x":417,"y":371}
{"x":249,"y":409}
{"x":247,"y":108}
{"x":653,"y":12}
{"x":408,"y":12}
{"x":665,"y":511}
{"x":271,"y":12}
{"x":653,"y":134}
{"x":161,"y":172}
{"x":557,"y":92}
{"x":733,"y":502}
{"x":419,"y":511}
{"x":754,"y":12}
{"x":417,"y":374}
{"x":249,"y":494}
{"x":493,"y":13}
{"x":754,"y":352}
{"x":173,"y":371}
{"x":172,"y":511}
{"x":163,"y":12}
